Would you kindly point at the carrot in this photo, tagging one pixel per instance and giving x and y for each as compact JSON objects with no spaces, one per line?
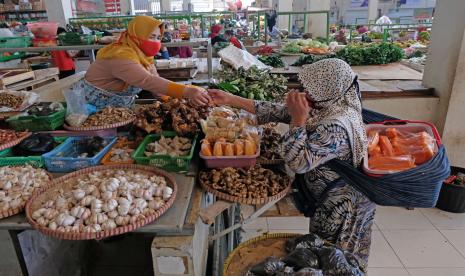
{"x":391,"y":163}
{"x":373,"y":140}
{"x":386,"y":146}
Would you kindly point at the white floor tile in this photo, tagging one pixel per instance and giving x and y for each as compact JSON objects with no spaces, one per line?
{"x":288,"y":223}
{"x":387,"y":272}
{"x":444,"y":220}
{"x":258,"y":223}
{"x":456,"y":238}
{"x":423,"y":248}
{"x":436,"y":271}
{"x":381,"y":253}
{"x":394,"y":218}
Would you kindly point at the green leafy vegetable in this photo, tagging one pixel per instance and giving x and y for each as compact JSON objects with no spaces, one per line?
{"x":272,"y":60}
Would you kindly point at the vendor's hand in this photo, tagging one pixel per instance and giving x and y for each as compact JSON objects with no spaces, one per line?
{"x":220,"y":97}
{"x":298,"y":107}
{"x":197,"y":95}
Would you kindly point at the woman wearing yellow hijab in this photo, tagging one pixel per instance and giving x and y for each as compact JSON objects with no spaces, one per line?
{"x":125,"y":67}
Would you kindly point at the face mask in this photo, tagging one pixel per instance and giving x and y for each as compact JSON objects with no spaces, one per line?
{"x":148,"y":47}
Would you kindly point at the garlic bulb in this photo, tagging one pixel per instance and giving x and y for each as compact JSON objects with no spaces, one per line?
{"x":123,"y":209}
{"x":61,"y":203}
{"x":96,"y":205}
{"x":140,"y":203}
{"x":122,"y":220}
{"x":123,"y":201}
{"x":49,"y":204}
{"x":112,"y":185}
{"x":50,"y":213}
{"x":138,"y":192}
{"x":52,"y":225}
{"x":110,"y":205}
{"x":108,"y":224}
{"x":156,"y":204}
{"x":167,"y":192}
{"x":158,"y":192}
{"x":38,"y":213}
{"x":87,"y":200}
{"x":6,"y":185}
{"x":64,"y":219}
{"x":79,"y":194}
{"x":42,"y":221}
{"x":134,"y":219}
{"x":106,"y":195}
{"x":134,"y":211}
{"x":112,"y":214}
{"x":80,"y":212}
{"x":148,"y":194}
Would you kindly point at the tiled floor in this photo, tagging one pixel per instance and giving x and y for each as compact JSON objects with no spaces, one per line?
{"x":405,"y":242}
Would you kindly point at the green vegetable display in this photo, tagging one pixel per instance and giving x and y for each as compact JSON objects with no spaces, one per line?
{"x":253,"y":83}
{"x":272,"y":60}
{"x":361,"y":54}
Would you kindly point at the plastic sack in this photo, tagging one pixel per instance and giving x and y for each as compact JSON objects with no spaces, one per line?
{"x":334,"y":263}
{"x":29,"y":98}
{"x":270,"y":266}
{"x":306,"y":241}
{"x":309,"y":272}
{"x":35,"y":145}
{"x":77,"y":109}
{"x":44,"y":109}
{"x":288,"y":271}
{"x":302,"y":258}
{"x":240,"y":58}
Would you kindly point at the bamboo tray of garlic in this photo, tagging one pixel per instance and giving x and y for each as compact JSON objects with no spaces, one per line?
{"x":17,"y":183}
{"x":103,"y":201}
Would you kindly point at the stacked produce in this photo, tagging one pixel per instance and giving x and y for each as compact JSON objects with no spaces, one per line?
{"x":272,"y":60}
{"x":174,"y":147}
{"x":220,"y":147}
{"x":270,"y":145}
{"x":307,"y":255}
{"x":121,"y":152}
{"x":307,"y":46}
{"x":103,"y":200}
{"x":253,"y":83}
{"x":393,"y":150}
{"x":109,"y":116}
{"x":10,"y":101}
{"x":254,"y":183}
{"x":265,"y":50}
{"x":17,"y":185}
{"x":175,"y":114}
{"x":7,"y":135}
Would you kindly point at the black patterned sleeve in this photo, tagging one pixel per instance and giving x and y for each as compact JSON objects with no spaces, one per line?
{"x":268,"y":112}
{"x":304,"y":151}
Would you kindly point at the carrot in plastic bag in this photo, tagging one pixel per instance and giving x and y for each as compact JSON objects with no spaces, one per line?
{"x":391,"y":163}
{"x":373,"y":140}
{"x":375,"y":151}
{"x":392,"y":133}
{"x":386,"y":146}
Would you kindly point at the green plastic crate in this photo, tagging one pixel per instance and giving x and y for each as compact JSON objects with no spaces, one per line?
{"x":70,"y":39}
{"x":15,"y":42}
{"x":37,"y":123}
{"x":7,"y":157}
{"x":165,"y":162}
{"x":16,"y":55}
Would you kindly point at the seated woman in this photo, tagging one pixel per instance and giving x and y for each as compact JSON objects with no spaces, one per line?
{"x":325,"y":124}
{"x":124,"y":68}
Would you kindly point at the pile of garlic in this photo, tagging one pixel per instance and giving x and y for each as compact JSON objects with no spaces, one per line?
{"x":18,"y":183}
{"x":103,"y":200}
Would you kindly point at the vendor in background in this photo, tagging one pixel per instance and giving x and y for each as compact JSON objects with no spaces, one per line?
{"x":180,"y":52}
{"x":325,"y":123}
{"x":361,"y":29}
{"x":64,"y":59}
{"x":215,"y":35}
{"x":229,"y":36}
{"x":124,"y":68}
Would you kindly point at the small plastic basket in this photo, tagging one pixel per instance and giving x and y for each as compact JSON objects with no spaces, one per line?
{"x":43,"y":29}
{"x":231,"y":161}
{"x":37,"y":123}
{"x":166,"y":162}
{"x":61,"y":159}
{"x":7,"y":57}
{"x":70,"y":39}
{"x":7,"y":158}
{"x":15,"y":42}
{"x":120,"y":144}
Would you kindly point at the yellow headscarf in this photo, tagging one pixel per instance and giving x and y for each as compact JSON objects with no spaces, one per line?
{"x":128,"y":48}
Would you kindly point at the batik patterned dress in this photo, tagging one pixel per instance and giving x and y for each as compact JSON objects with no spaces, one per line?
{"x":345,"y":216}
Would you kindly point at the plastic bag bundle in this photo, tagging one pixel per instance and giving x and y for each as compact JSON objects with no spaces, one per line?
{"x":305,"y":241}
{"x":35,"y":145}
{"x":309,"y":272}
{"x":270,"y":266}
{"x":334,"y":263}
{"x":301,"y":258}
{"x":240,"y":58}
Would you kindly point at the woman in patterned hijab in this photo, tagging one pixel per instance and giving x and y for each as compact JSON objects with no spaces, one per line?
{"x":325,"y":124}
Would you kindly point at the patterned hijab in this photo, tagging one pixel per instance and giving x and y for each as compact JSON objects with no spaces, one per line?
{"x":334,"y":90}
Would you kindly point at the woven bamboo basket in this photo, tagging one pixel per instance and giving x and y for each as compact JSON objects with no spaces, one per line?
{"x":14,"y":142}
{"x":61,"y":183}
{"x":254,"y":242}
{"x":94,"y":128}
{"x":262,"y":161}
{"x":248,"y":200}
{"x":13,"y":211}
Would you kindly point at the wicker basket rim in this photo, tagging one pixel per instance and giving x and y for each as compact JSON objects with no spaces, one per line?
{"x":94,"y":128}
{"x":14,"y":142}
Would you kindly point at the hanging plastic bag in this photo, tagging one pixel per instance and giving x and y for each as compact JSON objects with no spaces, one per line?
{"x":240,"y":58}
{"x":77,"y":109}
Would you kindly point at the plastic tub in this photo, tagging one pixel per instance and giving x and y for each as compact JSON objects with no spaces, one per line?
{"x":230,"y":161}
{"x":61,"y":159}
{"x":402,"y":125}
{"x":43,"y":29}
{"x":452,"y":196}
{"x":37,"y":123}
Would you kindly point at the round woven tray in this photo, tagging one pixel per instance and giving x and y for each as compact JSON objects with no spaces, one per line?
{"x":262,"y":161}
{"x":14,"y":142}
{"x":94,"y":128}
{"x":249,"y":201}
{"x":13,"y":211}
{"x":254,"y":241}
{"x":59,"y":183}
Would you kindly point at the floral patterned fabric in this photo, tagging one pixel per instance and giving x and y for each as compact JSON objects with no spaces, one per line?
{"x":344,"y":216}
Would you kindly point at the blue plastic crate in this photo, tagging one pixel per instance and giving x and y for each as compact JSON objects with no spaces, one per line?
{"x":62,"y":159}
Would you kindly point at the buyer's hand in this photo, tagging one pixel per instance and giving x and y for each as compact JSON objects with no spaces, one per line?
{"x":197,"y":95}
{"x":298,"y":107}
{"x":220,"y":97}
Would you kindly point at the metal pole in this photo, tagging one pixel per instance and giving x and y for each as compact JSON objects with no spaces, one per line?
{"x":289,"y":24}
{"x":305,"y":23}
{"x":327,"y":28}
{"x":209,"y":59}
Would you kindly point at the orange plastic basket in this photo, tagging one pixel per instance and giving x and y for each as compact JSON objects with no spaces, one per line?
{"x":121,"y":143}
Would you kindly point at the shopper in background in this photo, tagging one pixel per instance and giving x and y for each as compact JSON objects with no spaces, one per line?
{"x":229,"y":36}
{"x":180,"y":52}
{"x":64,"y":60}
{"x":215,"y":35}
{"x":325,"y":124}
{"x":124,"y":68}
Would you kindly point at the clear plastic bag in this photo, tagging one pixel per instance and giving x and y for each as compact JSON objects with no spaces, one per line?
{"x":270,"y":266}
{"x":77,"y":109}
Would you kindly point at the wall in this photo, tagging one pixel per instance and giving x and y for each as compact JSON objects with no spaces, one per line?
{"x":58,"y":11}
{"x":317,"y":24}
{"x":445,"y":45}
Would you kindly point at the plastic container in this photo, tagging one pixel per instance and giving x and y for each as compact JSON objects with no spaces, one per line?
{"x":70,"y":39}
{"x":166,"y":162}
{"x":7,"y":57}
{"x":15,"y":42}
{"x":402,"y":125}
{"x":43,"y":29}
{"x":7,"y":158}
{"x":37,"y":123}
{"x":230,"y":161}
{"x":120,"y":144}
{"x":452,"y":196}
{"x":60,"y":159}
{"x":44,"y":42}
